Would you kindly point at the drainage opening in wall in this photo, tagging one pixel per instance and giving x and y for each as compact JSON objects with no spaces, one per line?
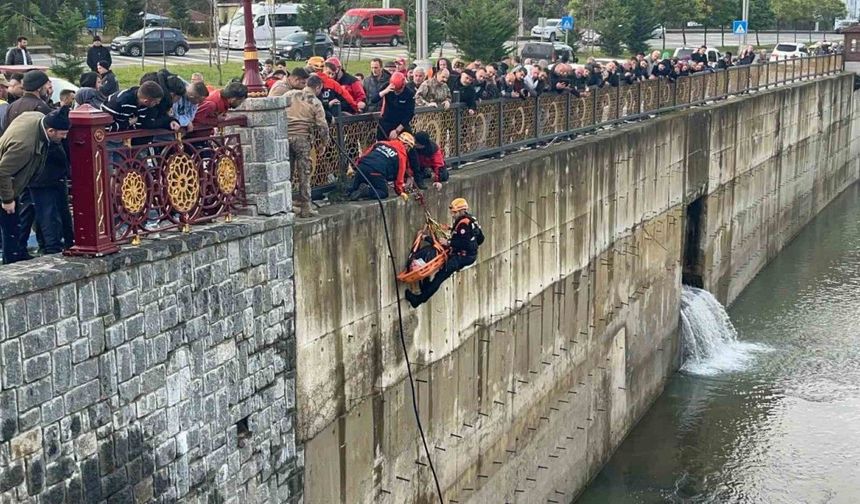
{"x":243,"y":432}
{"x":693,"y":259}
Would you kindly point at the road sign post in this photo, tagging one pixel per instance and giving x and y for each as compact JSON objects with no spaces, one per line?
{"x":566,"y":26}
{"x":740,"y":27}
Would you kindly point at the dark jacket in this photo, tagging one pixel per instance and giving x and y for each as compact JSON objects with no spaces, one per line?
{"x":466,"y":236}
{"x":126,"y":113}
{"x":158,"y":117}
{"x":96,"y":54}
{"x":109,"y":84}
{"x":372,"y":87}
{"x":89,"y":96}
{"x":56,"y":169}
{"x":699,"y":58}
{"x":467,"y":93}
{"x":17,"y":56}
{"x":27,"y":103}
{"x":397,"y":110}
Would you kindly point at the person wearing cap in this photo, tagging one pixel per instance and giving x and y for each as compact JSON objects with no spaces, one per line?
{"x":350,"y":83}
{"x":23,"y":152}
{"x":305,"y":122}
{"x":466,"y":237}
{"x":398,"y":108}
{"x":4,"y":89}
{"x":468,"y":94}
{"x":19,"y":55}
{"x":109,"y":82}
{"x":37,"y":90}
{"x":386,"y":160}
{"x":374,"y":83}
{"x":96,"y":53}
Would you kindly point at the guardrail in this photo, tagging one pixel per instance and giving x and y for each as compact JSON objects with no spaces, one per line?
{"x":508,"y":124}
{"x":129,"y":184}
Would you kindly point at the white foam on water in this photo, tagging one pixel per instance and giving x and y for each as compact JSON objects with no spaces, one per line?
{"x":709,"y":341}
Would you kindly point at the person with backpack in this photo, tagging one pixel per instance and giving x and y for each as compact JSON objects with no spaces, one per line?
{"x":466,"y":237}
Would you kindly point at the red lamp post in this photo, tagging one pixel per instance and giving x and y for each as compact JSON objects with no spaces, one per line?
{"x":251,"y":78}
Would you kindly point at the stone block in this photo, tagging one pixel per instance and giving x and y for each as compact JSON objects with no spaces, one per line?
{"x":83,"y":396}
{"x":8,"y":415}
{"x":165,"y":453}
{"x":94,"y":331}
{"x":85,"y":371}
{"x":68,"y":300}
{"x":26,"y":443}
{"x":15,"y":311}
{"x":35,"y":311}
{"x":80,"y":351}
{"x":11,"y":476}
{"x":51,"y":305}
{"x":53,"y":410}
{"x":38,"y":341}
{"x":62,"y":358}
{"x":37,"y":367}
{"x":115,"y":335}
{"x":127,"y":304}
{"x":10,"y":358}
{"x":68,"y":331}
{"x":35,"y":394}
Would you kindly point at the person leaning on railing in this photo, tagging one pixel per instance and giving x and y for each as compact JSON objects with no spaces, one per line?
{"x":129,"y":107}
{"x":211,"y":111}
{"x":305,"y":118}
{"x":434,"y":92}
{"x":23,"y":152}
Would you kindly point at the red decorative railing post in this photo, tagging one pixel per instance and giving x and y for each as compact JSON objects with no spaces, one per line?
{"x":251,"y":77}
{"x":90,"y":183}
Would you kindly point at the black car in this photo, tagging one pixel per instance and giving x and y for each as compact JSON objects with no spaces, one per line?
{"x":157,"y":41}
{"x":298,"y":46}
{"x":550,"y":51}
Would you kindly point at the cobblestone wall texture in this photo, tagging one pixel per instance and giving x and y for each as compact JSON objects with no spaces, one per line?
{"x":164,"y":373}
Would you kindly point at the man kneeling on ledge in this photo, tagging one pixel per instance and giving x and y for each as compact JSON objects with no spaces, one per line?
{"x":466,"y":237}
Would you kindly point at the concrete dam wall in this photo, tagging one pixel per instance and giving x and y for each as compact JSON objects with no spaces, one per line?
{"x":532,"y":365}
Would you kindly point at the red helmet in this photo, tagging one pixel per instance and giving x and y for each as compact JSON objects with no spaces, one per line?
{"x":334,"y":61}
{"x":398,"y":80}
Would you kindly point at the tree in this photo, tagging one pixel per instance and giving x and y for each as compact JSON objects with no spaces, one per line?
{"x":761,"y":17}
{"x":675,"y":14}
{"x":639,"y":25}
{"x":179,"y":13}
{"x":481,"y":28}
{"x":128,"y":15}
{"x":62,"y":29}
{"x":827,"y":11}
{"x":314,"y":15}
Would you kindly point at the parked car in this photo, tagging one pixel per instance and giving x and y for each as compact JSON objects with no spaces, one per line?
{"x":840,"y":24}
{"x":550,"y":51}
{"x":298,"y":46}
{"x":550,"y":30}
{"x":657,"y":33}
{"x":684,"y":53}
{"x":369,"y":26}
{"x":156,"y":40}
{"x":788,"y":50}
{"x":272,"y":22}
{"x":589,"y":37}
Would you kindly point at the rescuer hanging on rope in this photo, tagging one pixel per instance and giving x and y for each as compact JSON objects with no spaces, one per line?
{"x":466,"y":237}
{"x":387,"y":160}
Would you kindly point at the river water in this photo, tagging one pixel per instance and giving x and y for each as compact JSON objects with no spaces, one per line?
{"x":779,"y":421}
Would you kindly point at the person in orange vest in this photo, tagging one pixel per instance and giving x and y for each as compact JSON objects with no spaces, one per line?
{"x":466,"y":237}
{"x":386,"y":160}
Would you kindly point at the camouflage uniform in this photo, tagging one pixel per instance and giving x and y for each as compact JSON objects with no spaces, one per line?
{"x":432,"y":91}
{"x":305,"y":116}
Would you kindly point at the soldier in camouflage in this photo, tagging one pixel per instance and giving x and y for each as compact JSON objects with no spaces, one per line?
{"x":306,"y":118}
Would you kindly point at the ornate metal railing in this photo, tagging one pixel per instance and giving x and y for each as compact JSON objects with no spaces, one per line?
{"x":129,"y":184}
{"x":508,"y":124}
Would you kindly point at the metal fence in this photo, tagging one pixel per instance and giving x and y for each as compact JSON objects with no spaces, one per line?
{"x":511,"y":123}
{"x":133,"y":183}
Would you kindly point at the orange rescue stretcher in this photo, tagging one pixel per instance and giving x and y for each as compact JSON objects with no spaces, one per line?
{"x":432,"y":232}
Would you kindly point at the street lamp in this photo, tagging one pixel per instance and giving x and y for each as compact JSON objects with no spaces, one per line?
{"x":251,"y":77}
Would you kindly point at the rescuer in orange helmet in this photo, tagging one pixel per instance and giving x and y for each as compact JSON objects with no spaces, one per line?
{"x":385,"y":160}
{"x":466,"y":237}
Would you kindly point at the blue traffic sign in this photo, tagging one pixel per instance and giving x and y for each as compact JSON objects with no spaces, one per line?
{"x":740,"y":27}
{"x":567,"y":23}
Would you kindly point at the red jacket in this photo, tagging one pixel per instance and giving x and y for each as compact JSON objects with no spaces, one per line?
{"x":333,"y":90}
{"x":353,"y":87}
{"x":435,"y":162}
{"x":402,"y":163}
{"x":209,"y":112}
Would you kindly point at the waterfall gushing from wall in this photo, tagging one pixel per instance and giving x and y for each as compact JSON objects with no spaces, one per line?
{"x":709,"y":341}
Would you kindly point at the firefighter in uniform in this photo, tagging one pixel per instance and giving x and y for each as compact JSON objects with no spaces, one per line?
{"x":466,"y":237}
{"x":387,"y":160}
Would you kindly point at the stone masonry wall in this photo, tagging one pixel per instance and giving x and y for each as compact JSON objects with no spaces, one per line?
{"x":163,"y":373}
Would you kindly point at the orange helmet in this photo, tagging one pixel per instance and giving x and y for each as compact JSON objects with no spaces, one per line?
{"x":407,"y":139}
{"x":398,"y":80}
{"x":459,"y":205}
{"x":316,"y":62}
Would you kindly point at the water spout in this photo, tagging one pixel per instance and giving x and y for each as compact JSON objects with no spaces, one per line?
{"x":709,"y":341}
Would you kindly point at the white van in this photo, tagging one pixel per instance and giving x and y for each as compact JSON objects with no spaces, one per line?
{"x":272,"y":22}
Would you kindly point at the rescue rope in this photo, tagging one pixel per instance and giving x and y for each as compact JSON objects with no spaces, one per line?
{"x":400,"y":314}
